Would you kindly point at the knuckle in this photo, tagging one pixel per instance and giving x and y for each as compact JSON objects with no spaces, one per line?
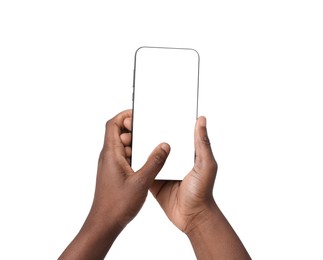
{"x":206,"y":140}
{"x":108,"y":123}
{"x":208,"y":164}
{"x":213,"y":166}
{"x":158,"y":159}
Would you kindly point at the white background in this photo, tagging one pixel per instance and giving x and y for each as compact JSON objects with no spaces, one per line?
{"x":66,"y":68}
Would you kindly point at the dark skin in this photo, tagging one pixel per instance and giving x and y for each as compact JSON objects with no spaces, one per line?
{"x":120,"y":193}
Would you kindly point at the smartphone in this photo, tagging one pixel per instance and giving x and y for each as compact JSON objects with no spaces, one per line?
{"x":165,"y":107}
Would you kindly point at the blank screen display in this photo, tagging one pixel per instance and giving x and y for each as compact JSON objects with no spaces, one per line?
{"x":165,"y":99}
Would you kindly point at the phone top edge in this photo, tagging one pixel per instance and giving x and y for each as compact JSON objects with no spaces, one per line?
{"x":163,"y":47}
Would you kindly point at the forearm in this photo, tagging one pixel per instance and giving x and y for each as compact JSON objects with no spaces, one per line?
{"x":93,"y":241}
{"x":214,"y":238}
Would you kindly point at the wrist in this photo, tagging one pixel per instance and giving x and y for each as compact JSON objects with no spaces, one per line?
{"x":202,"y":219}
{"x":94,"y":239}
{"x":214,"y":238}
{"x":103,"y":224}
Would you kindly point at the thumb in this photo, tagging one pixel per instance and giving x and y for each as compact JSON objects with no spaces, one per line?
{"x":204,"y":160}
{"x":154,"y":164}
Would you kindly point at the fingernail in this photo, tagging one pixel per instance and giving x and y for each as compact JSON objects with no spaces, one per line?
{"x":203,"y":121}
{"x":165,"y":147}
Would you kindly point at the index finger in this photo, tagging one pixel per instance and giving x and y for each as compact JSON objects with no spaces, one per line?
{"x":115,"y":126}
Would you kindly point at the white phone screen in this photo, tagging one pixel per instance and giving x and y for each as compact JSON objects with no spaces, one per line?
{"x":165,"y":102}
